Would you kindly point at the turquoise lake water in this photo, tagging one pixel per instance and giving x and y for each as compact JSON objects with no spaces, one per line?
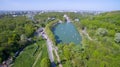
{"x":66,"y":33}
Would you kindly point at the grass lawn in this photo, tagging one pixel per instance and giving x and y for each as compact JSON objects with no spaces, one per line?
{"x":44,"y":54}
{"x":29,"y":55}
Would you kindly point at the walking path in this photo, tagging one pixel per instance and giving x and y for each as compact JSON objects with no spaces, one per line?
{"x":37,"y":59}
{"x":50,"y":50}
{"x":49,"y":46}
{"x":58,"y":58}
{"x":84,"y":32}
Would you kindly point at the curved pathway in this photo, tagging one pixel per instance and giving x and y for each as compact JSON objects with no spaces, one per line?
{"x":84,"y":32}
{"x":50,"y":50}
{"x":49,"y":46}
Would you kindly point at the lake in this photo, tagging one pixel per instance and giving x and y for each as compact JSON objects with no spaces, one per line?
{"x":66,"y":33}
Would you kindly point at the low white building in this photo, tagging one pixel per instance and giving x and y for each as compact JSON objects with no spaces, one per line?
{"x":77,"y":20}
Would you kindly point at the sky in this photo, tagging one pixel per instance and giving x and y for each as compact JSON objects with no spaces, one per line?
{"x":98,"y":5}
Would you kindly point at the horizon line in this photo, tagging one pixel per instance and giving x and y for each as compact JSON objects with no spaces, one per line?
{"x":57,"y":10}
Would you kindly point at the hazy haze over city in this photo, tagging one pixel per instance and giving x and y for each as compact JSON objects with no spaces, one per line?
{"x":102,"y":5}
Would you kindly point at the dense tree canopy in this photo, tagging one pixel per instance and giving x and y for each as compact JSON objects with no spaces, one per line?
{"x":117,"y":37}
{"x":11,"y":34}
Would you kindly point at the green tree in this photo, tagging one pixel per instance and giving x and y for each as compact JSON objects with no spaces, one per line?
{"x":102,"y":31}
{"x":66,"y":52}
{"x":117,"y":37}
{"x":111,"y":33}
{"x":29,"y":29}
{"x":0,"y":59}
{"x":68,"y":64}
{"x":23,"y":39}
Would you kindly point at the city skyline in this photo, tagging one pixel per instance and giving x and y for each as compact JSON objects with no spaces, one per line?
{"x":97,"y":5}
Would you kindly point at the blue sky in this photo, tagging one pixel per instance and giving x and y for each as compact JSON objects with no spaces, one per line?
{"x":102,"y":5}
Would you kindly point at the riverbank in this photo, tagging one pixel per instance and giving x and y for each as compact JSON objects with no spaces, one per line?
{"x":82,"y":32}
{"x":51,"y":47}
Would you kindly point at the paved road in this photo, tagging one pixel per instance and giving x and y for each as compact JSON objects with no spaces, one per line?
{"x":49,"y":46}
{"x":50,"y":51}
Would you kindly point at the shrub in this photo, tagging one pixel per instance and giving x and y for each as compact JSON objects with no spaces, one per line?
{"x":117,"y":37}
{"x":102,"y":32}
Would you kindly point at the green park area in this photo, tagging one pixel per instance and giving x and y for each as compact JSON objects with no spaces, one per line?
{"x":98,"y":45}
